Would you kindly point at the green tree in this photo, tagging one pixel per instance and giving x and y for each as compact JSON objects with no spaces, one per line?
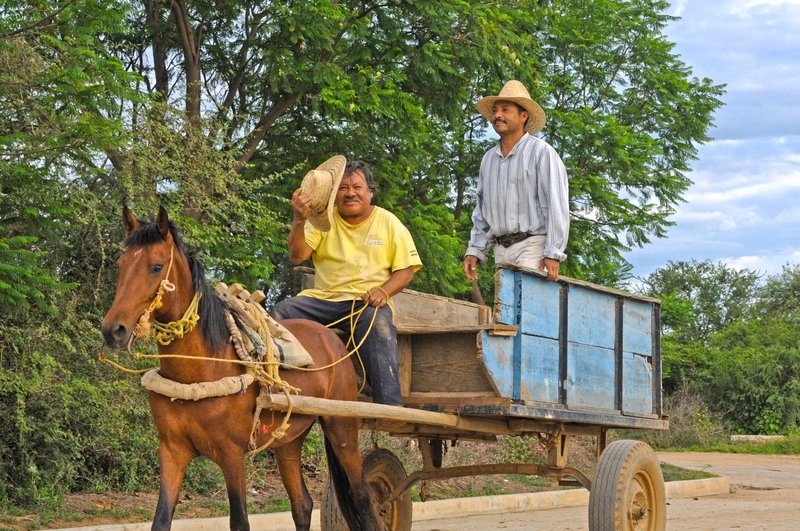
{"x":626,"y":115}
{"x":282,"y":85}
{"x":60,"y":92}
{"x":700,"y":297}
{"x":780,"y":295}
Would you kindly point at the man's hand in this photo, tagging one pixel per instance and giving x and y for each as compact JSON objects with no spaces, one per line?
{"x":299,"y":251}
{"x":551,"y":265}
{"x":300,"y":204}
{"x":471,"y":267}
{"x":375,"y":297}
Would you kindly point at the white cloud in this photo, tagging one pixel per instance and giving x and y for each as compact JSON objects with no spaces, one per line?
{"x":713,"y":223}
{"x":744,"y":7}
{"x":765,"y":186}
{"x":787,"y":216}
{"x":771,"y":264}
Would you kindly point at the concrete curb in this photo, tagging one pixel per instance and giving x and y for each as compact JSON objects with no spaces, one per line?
{"x":433,"y":510}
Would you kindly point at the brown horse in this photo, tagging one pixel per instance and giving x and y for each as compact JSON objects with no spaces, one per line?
{"x":219,"y":428}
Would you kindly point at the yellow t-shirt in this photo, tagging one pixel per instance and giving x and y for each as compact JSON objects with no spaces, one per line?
{"x":350,"y":259}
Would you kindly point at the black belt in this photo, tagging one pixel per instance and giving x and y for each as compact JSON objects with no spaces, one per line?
{"x":507,"y":240}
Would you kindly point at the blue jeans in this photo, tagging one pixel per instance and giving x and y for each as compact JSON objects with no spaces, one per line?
{"x":379,"y":350}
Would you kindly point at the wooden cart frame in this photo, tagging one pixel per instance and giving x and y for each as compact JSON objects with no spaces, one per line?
{"x":556,"y":359}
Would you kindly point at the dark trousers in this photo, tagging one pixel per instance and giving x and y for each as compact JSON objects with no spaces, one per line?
{"x":379,"y":350}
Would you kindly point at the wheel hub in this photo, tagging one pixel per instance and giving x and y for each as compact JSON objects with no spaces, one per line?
{"x":638,"y":513}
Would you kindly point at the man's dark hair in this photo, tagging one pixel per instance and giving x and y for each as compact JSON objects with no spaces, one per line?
{"x":523,"y":109}
{"x":357,"y":165}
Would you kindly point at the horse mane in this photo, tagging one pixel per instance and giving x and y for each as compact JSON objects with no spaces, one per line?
{"x":211,"y":308}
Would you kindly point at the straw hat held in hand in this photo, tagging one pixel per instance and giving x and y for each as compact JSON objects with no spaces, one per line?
{"x":315,"y":198}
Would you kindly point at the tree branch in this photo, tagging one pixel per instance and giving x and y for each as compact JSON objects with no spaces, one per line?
{"x":262,"y":128}
{"x":191,"y":55}
{"x":39,"y":22}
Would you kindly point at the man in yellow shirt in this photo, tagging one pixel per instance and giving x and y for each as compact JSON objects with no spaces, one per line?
{"x":367,"y":255}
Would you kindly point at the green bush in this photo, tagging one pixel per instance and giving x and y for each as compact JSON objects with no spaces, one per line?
{"x":753,"y":376}
{"x":524,"y":449}
{"x":70,"y":422}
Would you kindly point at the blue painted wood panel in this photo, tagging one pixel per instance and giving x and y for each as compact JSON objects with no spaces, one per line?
{"x":498,"y":355}
{"x":590,"y":376}
{"x":637,"y":327}
{"x":506,"y":296}
{"x":539,"y":369}
{"x":540,"y":306}
{"x":591,"y":317}
{"x":637,"y":388}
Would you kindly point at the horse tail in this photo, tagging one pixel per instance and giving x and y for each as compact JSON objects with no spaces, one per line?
{"x":341,"y":486}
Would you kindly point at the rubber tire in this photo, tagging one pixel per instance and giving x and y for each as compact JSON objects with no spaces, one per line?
{"x":628,"y":490}
{"x":384,"y":472}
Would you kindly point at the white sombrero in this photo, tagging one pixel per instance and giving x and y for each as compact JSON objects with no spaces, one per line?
{"x":321,"y":185}
{"x":516,"y":92}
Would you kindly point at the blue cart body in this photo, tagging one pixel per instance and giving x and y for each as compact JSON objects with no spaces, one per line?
{"x":565,"y":351}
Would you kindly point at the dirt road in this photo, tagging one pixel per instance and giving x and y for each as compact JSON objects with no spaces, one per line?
{"x":766,"y":495}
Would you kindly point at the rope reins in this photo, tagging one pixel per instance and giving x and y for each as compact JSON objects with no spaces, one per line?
{"x":353,"y":316}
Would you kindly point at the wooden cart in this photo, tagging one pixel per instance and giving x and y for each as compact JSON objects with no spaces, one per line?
{"x":557,"y":359}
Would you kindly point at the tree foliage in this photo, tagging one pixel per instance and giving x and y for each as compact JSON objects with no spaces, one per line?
{"x":279,"y":86}
{"x":701,"y":297}
{"x":780,"y":295}
{"x":698,"y":299}
{"x":626,"y":115}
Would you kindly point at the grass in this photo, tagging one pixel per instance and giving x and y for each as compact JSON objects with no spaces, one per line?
{"x":46,"y":516}
{"x":676,"y":473}
{"x":788,"y":446}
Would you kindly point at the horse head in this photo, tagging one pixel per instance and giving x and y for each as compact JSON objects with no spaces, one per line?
{"x":150,"y":270}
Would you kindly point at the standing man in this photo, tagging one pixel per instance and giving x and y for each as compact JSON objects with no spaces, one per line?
{"x":360,"y":252}
{"x":523,"y":203}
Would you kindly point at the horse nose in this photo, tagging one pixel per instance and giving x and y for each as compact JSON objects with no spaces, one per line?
{"x":115,"y":334}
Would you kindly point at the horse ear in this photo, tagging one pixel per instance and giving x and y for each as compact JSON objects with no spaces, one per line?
{"x":162,"y":222}
{"x":129,"y":222}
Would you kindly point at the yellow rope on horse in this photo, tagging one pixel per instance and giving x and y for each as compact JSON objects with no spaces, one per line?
{"x":273,"y":363}
{"x":166,"y":333}
{"x":121,"y":367}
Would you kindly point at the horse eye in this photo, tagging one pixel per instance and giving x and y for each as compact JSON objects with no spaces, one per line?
{"x":157,"y":268}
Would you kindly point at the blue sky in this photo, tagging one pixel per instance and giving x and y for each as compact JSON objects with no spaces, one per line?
{"x":744,"y":206}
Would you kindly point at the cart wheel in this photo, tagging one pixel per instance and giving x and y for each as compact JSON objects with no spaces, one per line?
{"x":628,"y":489}
{"x":384,"y":472}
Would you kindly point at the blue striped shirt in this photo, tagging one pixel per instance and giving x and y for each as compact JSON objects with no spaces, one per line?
{"x":525,"y":191}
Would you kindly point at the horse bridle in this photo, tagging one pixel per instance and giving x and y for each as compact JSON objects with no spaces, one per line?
{"x":143,"y":323}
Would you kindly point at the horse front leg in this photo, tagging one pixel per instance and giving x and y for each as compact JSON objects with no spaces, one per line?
{"x":232,"y":464}
{"x":173,"y":462}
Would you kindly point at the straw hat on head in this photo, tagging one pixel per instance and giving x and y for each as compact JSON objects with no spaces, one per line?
{"x":321,"y":185}
{"x":516,"y":92}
